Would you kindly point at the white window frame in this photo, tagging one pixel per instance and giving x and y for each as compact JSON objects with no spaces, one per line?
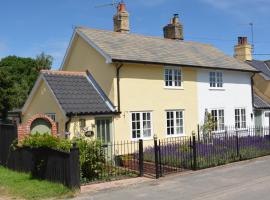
{"x":173,"y":86}
{"x":174,"y":122}
{"x":217,"y":80}
{"x":218,"y":128}
{"x":141,"y":125}
{"x":51,"y":115}
{"x":240,"y":117}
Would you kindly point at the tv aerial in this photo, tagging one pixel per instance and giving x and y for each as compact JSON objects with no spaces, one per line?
{"x":112,"y":4}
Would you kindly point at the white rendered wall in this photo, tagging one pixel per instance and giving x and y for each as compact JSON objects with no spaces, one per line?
{"x":236,"y":93}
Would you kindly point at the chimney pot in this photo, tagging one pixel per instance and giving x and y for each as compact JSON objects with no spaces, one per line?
{"x":121,"y":7}
{"x":242,"y":40}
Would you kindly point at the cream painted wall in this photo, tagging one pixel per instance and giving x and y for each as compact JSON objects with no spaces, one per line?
{"x":83,"y":57}
{"x":142,"y":89}
{"x":74,"y":126}
{"x":43,"y":102}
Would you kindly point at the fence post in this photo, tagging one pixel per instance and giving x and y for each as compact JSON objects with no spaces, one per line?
{"x":156,"y":157}
{"x":198,"y":131}
{"x":194,"y":148}
{"x":73,"y":172}
{"x":141,"y":157}
{"x":237,"y":144}
{"x":269,"y":126}
{"x":159,"y":156}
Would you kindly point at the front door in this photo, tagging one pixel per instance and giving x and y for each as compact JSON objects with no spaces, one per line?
{"x":104,"y":129}
{"x":266,"y":118}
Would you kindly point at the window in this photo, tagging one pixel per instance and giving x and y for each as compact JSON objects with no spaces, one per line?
{"x":51,"y":115}
{"x":175,"y":122}
{"x":172,"y":77}
{"x":218,"y":118}
{"x":216,"y":79}
{"x":82,"y":123}
{"x":240,"y":118}
{"x":141,"y":125}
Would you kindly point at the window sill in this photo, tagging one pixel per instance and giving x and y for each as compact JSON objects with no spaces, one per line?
{"x":216,"y":89}
{"x":173,"y":88}
{"x":144,"y":139}
{"x":175,"y":136}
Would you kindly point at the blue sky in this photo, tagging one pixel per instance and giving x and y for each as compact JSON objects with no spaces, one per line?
{"x":31,"y":26}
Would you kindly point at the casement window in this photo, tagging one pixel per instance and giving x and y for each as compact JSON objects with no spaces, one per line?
{"x":216,"y":79}
{"x":141,"y":124}
{"x":51,"y":115}
{"x":240,"y":118}
{"x":175,"y":122}
{"x":218,"y":118}
{"x":173,"y":77}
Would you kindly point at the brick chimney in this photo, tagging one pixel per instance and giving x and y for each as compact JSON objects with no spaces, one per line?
{"x":121,"y":19}
{"x":174,"y":30}
{"x":243,"y":50}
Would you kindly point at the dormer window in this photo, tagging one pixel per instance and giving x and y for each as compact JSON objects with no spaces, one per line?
{"x":216,"y":79}
{"x":173,"y":77}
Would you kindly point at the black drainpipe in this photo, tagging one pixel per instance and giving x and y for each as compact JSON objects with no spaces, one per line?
{"x":67,"y":122}
{"x":118,"y":67}
{"x":252,"y":99}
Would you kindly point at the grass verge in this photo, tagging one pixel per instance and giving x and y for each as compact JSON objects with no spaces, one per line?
{"x":22,"y":186}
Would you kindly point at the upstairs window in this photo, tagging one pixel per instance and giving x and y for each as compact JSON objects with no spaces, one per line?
{"x":216,"y":79}
{"x":173,"y":77}
{"x":240,"y":118}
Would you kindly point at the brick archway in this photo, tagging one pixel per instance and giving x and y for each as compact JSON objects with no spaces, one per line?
{"x":25,"y":129}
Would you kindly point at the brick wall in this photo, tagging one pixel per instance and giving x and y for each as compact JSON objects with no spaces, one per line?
{"x":24,"y":130}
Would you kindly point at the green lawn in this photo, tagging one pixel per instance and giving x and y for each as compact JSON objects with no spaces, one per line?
{"x":21,"y":186}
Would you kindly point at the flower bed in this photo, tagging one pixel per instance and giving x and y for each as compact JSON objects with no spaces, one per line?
{"x":218,"y":151}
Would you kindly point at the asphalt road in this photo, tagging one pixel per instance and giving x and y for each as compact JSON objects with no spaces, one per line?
{"x":239,"y":181}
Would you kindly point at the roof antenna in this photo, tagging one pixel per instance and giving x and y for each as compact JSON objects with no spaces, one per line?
{"x":113,"y":4}
{"x":252,"y":36}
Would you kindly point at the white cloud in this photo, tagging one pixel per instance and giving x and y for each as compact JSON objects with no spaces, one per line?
{"x":151,"y":3}
{"x":241,"y":8}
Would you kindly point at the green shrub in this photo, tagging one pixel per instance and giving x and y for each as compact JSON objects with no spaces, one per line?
{"x":46,"y":140}
{"x":92,"y":159}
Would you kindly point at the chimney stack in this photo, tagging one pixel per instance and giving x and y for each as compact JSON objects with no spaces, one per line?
{"x":121,"y":19}
{"x":174,"y":30}
{"x":243,"y":50}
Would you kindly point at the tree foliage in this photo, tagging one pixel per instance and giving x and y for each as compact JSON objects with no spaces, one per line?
{"x":17,"y":77}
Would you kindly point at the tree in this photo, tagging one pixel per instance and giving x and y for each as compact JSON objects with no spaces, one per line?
{"x":17,"y":77}
{"x":44,"y":61}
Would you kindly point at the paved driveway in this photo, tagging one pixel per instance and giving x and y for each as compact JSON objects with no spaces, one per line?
{"x":249,"y":180}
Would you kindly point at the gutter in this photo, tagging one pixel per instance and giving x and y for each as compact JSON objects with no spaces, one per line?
{"x":118,"y":67}
{"x":182,"y":65}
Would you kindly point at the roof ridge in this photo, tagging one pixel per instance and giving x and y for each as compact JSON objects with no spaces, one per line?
{"x":61,"y":72}
{"x":146,"y":36}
